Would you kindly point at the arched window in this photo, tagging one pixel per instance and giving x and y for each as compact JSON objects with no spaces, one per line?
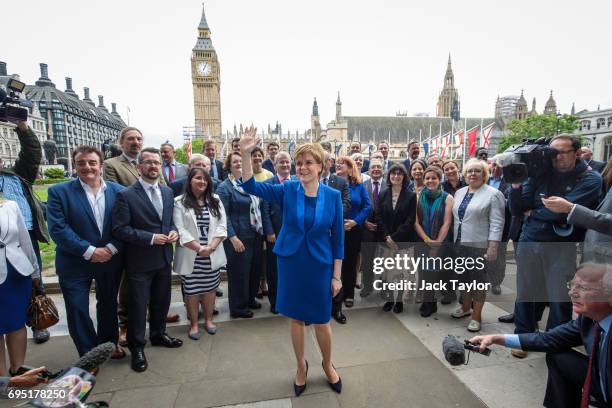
{"x":601,"y":122}
{"x":585,"y":125}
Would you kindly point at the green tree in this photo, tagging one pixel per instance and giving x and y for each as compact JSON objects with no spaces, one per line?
{"x":181,"y":152}
{"x":535,"y":127}
{"x":54,"y":173}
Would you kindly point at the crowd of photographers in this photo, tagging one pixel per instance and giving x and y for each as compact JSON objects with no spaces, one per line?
{"x":117,"y":222}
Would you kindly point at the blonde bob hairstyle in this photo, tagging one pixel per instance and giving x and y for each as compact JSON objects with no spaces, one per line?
{"x":474,"y":162}
{"x":315,"y":150}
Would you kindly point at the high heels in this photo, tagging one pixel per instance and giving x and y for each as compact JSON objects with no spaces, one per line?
{"x":337,"y":386}
{"x":299,"y":389}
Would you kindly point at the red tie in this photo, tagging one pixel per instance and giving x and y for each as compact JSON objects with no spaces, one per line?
{"x":584,"y":403}
{"x":170,"y":173}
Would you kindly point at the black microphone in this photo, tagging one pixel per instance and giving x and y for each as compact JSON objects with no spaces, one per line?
{"x":453,"y":350}
{"x":95,"y":357}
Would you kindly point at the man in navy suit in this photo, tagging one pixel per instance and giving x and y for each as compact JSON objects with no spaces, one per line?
{"x":272,"y":216}
{"x":216,"y":170}
{"x":196,"y":160}
{"x":142,"y":218}
{"x":79,"y":219}
{"x":270,"y":163}
{"x":568,"y":370}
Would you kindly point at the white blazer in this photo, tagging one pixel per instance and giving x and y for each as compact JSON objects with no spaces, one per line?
{"x":15,"y":244}
{"x":187,"y":226}
{"x":484,"y":217}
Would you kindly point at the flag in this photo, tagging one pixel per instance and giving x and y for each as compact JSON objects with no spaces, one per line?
{"x":426,"y":148}
{"x":291,"y":146}
{"x":472,"y":134}
{"x":485,"y":134}
{"x":188,"y":149}
{"x":445,"y":143}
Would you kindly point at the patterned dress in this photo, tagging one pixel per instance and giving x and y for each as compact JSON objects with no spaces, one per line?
{"x":203,"y":279}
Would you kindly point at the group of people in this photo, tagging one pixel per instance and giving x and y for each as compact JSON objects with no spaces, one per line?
{"x":303,"y":230}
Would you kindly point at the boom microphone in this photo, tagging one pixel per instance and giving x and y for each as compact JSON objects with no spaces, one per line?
{"x":453,"y":350}
{"x":95,"y":357}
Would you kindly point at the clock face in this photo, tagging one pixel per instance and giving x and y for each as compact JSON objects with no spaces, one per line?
{"x":204,"y":68}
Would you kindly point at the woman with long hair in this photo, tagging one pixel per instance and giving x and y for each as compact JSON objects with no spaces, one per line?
{"x":309,"y":250}
{"x":200,"y":219}
{"x":360,"y":209}
{"x":434,"y":218}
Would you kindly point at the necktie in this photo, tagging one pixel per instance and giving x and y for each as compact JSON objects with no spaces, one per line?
{"x":584,"y":402}
{"x":156,"y":200}
{"x":170,"y":173}
{"x":375,"y":194}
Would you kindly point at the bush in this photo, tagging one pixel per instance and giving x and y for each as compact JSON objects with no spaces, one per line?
{"x":54,"y":173}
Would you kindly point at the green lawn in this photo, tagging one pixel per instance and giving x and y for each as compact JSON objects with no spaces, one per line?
{"x":47,"y":251}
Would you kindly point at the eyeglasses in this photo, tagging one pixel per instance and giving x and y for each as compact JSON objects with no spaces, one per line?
{"x":151,"y":163}
{"x":565,"y":151}
{"x":475,"y":171}
{"x":571,"y":285}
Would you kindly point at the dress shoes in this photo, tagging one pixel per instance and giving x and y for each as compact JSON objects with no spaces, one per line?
{"x":509,"y":318}
{"x":299,"y":389}
{"x":496,"y":289}
{"x":172,"y":318}
{"x":340,"y":317}
{"x":254,"y":305}
{"x":428,"y":308}
{"x":365,"y":293}
{"x":139,"y":360}
{"x":166,"y":341}
{"x":387,"y":306}
{"x":40,"y":336}
{"x":219,"y":293}
{"x":337,"y":386}
{"x":242,"y":315}
{"x":398,"y":308}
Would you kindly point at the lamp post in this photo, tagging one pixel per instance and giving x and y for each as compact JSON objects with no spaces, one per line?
{"x":558,"y":121}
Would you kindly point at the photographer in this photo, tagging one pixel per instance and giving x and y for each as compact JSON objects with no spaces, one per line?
{"x":28,"y":379}
{"x":16,"y":185}
{"x":541,"y":264}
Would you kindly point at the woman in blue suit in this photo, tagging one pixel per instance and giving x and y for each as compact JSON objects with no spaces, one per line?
{"x":309,"y":250}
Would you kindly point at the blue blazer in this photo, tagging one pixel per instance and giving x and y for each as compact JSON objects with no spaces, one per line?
{"x":135,"y":221}
{"x":325,"y":239}
{"x":73,"y":227}
{"x":237,"y":208}
{"x":273,"y":213}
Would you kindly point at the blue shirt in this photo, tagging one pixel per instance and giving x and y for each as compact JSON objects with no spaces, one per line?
{"x":495,"y":182}
{"x":12,"y":189}
{"x":360,"y":203}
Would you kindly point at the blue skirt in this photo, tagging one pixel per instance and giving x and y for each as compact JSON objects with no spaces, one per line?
{"x":304,"y":288}
{"x":15,"y":295}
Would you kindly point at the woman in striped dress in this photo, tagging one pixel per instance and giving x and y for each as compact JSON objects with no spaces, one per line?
{"x":200,"y":219}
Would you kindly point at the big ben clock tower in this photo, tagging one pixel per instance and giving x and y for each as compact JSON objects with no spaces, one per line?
{"x":206,"y":84}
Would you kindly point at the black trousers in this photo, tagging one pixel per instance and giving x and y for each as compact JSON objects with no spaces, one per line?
{"x":566,"y":375}
{"x":148,"y":288}
{"x":243,"y":271}
{"x":497,"y":268}
{"x":271,"y":273}
{"x":352,"y":246}
{"x":368,"y":251}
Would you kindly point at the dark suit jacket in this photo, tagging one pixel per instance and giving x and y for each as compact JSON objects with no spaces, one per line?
{"x":178,"y":186}
{"x":340,"y":184}
{"x":268,"y":165}
{"x":399,"y":222}
{"x":373,"y":236}
{"x":324,"y":239}
{"x":135,"y":221}
{"x":597,"y":165}
{"x":73,"y":227}
{"x":237,"y":209}
{"x":578,"y":332}
{"x":220,"y":171}
{"x":26,"y":168}
{"x":272,"y":212}
{"x":511,"y":224}
{"x":180,"y":171}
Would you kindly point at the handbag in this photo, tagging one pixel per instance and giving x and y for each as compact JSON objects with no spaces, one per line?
{"x":42,"y":312}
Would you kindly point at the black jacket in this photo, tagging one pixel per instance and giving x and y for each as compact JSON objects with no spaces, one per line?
{"x":399,"y":222}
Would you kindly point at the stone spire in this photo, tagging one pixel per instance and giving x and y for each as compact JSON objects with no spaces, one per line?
{"x":315,"y":108}
{"x":521,"y":107}
{"x":551,"y":105}
{"x":203,"y":23}
{"x":338,"y":108}
{"x":533,"y":107}
{"x":449,"y":93}
{"x":573,"y":108}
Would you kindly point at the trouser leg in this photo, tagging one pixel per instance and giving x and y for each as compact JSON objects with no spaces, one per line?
{"x":159,"y":302}
{"x":75,"y":289}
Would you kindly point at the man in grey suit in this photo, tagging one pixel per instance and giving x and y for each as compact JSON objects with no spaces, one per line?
{"x":375,"y":187}
{"x":171,"y":170}
{"x":336,"y":182}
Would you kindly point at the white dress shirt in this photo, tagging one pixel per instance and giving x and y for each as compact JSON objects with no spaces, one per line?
{"x":97,"y":202}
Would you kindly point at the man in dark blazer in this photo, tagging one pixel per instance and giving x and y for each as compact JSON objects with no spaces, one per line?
{"x":587,"y":156}
{"x":272,"y":217}
{"x":270,"y":163}
{"x":142,"y":218}
{"x":371,"y":236}
{"x":171,"y":169}
{"x":196,"y":160}
{"x":414,"y":150}
{"x":567,"y":386}
{"x":355,"y":147}
{"x":336,"y":183}
{"x":383,"y":147}
{"x":216,"y":171}
{"x":79,"y":217}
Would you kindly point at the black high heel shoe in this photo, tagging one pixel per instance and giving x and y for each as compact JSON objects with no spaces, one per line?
{"x":337,"y":386}
{"x":299,"y":389}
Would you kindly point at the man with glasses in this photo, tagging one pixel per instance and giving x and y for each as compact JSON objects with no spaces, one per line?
{"x":574,"y":379}
{"x":546,"y":249}
{"x":142,"y":219}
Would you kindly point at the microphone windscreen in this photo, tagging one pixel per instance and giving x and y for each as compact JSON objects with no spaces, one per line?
{"x":95,"y":357}
{"x":506,"y":159}
{"x":454,"y":351}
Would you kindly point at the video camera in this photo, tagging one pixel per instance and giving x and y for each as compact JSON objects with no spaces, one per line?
{"x":533,"y":159}
{"x":12,"y":107}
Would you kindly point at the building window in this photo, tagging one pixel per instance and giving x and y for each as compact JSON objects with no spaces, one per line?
{"x":585,"y":125}
{"x":610,"y":121}
{"x":601,"y":122}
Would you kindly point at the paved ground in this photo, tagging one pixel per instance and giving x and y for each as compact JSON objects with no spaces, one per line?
{"x":385,"y":360}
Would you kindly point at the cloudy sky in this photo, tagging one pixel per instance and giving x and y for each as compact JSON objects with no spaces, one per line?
{"x":277,"y":55}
